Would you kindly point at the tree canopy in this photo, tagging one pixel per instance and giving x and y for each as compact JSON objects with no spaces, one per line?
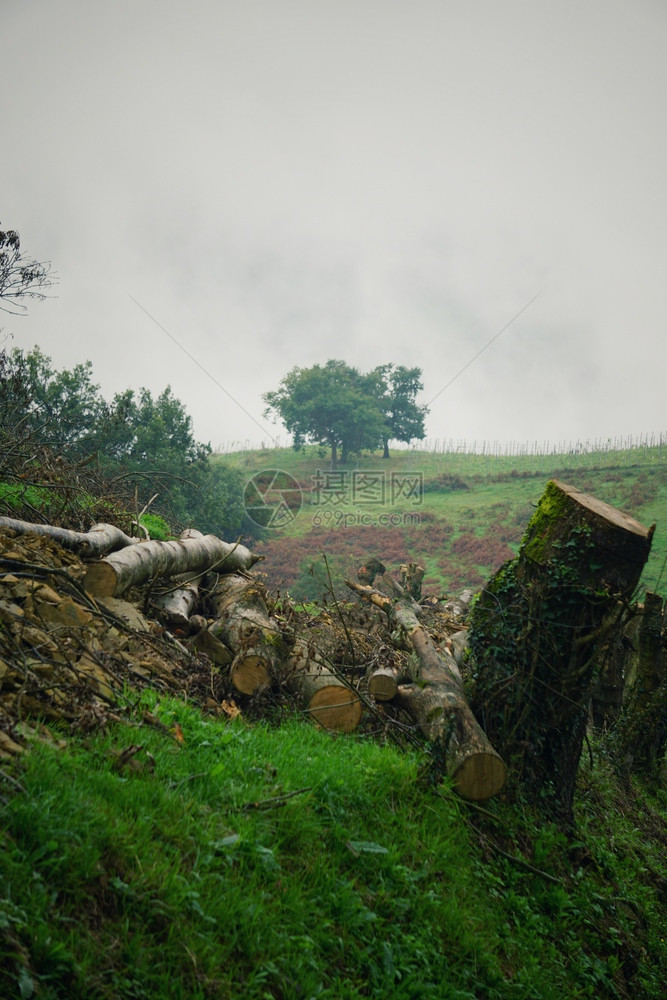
{"x":139,"y":440}
{"x":339,"y":407}
{"x":404,"y":417}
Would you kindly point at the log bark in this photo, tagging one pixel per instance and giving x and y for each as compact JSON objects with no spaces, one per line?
{"x":177,"y":602}
{"x":319,"y":692}
{"x":641,"y":734}
{"x":97,"y":541}
{"x":245,"y":625}
{"x":133,"y":566}
{"x":535,"y":633}
{"x":205,"y":638}
{"x":436,"y":701}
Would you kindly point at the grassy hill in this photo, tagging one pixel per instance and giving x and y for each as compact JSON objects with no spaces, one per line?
{"x":152,"y":849}
{"x":472,"y":512}
{"x":205,"y":858}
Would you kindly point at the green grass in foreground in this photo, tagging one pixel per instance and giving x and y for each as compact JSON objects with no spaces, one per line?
{"x":262,"y":862}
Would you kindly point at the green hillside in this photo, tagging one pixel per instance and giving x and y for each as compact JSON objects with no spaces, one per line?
{"x":471,"y":514}
{"x":280,"y":863}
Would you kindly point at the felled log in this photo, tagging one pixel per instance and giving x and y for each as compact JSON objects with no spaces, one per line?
{"x":535,"y":633}
{"x":133,"y":566}
{"x":437,"y":702}
{"x":97,"y":541}
{"x":247,"y":628}
{"x":384,"y":682}
{"x":206,"y":638}
{"x":178,"y":601}
{"x":319,"y":692}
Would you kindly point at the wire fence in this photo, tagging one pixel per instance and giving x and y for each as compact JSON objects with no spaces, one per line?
{"x":623,"y":450}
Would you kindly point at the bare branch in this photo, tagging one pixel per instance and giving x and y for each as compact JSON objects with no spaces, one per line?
{"x":21,"y":277}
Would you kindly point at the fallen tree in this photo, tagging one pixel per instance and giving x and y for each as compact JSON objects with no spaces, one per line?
{"x":145,"y":561}
{"x":437,"y":702}
{"x":535,"y":632}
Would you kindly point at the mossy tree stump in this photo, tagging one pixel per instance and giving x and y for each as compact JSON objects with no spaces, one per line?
{"x":640,"y":736}
{"x":535,"y":632}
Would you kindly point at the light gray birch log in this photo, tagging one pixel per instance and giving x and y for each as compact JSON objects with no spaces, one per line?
{"x":133,"y":566}
{"x":243,"y":621}
{"x":97,"y":541}
{"x":178,"y":601}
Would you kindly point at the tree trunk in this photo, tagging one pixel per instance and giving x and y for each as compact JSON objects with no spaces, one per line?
{"x":607,"y":696}
{"x":178,"y":602}
{"x":384,"y":682}
{"x":97,"y":541}
{"x":641,"y":734}
{"x":437,"y":702}
{"x":385,"y":443}
{"x":536,"y":629}
{"x":133,"y":566}
{"x":326,"y":698}
{"x":255,"y":639}
{"x":411,"y":576}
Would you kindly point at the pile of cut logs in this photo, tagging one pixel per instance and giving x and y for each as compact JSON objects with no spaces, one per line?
{"x":239,"y":633}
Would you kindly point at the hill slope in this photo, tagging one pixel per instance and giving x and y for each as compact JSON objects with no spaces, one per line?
{"x":465,"y":517}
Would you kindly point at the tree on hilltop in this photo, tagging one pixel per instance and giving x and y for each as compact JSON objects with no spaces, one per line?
{"x":404,"y":417}
{"x":333,"y":405}
{"x":348,"y":411}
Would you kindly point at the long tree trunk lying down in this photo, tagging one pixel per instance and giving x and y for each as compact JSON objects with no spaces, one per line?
{"x":97,"y":541}
{"x":437,"y":702}
{"x":326,"y":698}
{"x":133,"y":566}
{"x":244,"y":624}
{"x":535,"y":632}
{"x":641,"y":733}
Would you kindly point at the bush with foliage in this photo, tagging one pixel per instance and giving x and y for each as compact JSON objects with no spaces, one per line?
{"x":141,"y":446}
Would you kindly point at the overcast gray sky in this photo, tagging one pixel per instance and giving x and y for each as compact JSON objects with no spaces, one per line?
{"x":279,"y":182}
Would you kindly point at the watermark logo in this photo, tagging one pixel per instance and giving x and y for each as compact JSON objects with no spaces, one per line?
{"x":272,"y":498}
{"x":361,"y":488}
{"x":344,"y":499}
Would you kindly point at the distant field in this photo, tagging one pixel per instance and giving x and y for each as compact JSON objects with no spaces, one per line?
{"x":465,"y":516}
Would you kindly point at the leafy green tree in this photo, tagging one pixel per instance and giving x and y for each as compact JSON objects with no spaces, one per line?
{"x":404,"y":417}
{"x":59,"y":408}
{"x":142,"y":443}
{"x":332,"y":405}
